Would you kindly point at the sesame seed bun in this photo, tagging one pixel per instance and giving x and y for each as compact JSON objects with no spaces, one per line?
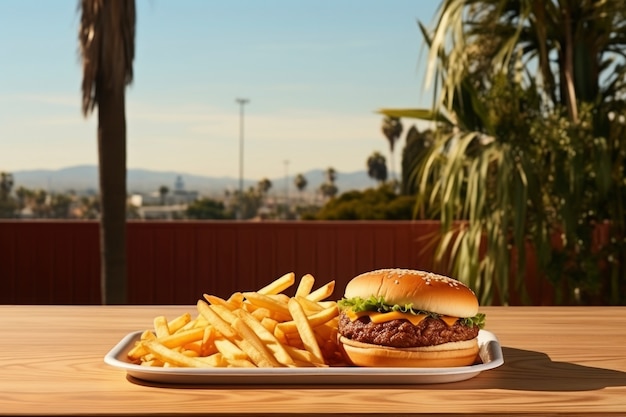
{"x":425,"y":290}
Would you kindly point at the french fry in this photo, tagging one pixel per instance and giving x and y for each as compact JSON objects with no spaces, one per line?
{"x":215,"y":300}
{"x":137,"y":352}
{"x":309,"y":306}
{"x":139,"y":349}
{"x":240,"y":363}
{"x":280,"y":335}
{"x":236,"y":298}
{"x":322,"y":292}
{"x":160,"y":326}
{"x":152,"y":362}
{"x":269,"y":323}
{"x":264,"y":328}
{"x":208,"y":341}
{"x":315,"y":320}
{"x":267,"y":338}
{"x":172,"y":357}
{"x":147,"y":335}
{"x":192,"y":350}
{"x":305,"y":286}
{"x":177,"y":323}
{"x":216,"y":360}
{"x":260,"y":313}
{"x":229,"y":350}
{"x":254,"y":346}
{"x":232,"y":303}
{"x":262,"y":300}
{"x":215,"y":320}
{"x":302,"y":357}
{"x":244,"y":338}
{"x":227,"y":315}
{"x":182,"y":338}
{"x":279,"y":285}
{"x":327,"y":330}
{"x":294,"y":339}
{"x":304,"y":329}
{"x":326,"y":304}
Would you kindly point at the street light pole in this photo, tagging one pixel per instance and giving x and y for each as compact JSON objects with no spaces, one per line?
{"x":287,"y":185}
{"x":242,"y":102}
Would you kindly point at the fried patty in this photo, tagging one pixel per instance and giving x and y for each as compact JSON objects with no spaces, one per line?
{"x":403,"y":334}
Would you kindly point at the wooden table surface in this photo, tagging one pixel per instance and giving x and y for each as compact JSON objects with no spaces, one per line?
{"x":558,"y":360}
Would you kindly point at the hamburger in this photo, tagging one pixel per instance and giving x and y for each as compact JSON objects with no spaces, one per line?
{"x":408,"y":318}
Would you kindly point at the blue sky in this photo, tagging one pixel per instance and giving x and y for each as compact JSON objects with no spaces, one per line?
{"x":315,"y":72}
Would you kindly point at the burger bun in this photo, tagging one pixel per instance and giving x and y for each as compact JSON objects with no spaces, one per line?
{"x":451,"y":354}
{"x":425,"y":291}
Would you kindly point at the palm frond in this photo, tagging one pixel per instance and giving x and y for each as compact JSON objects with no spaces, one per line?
{"x":421,"y":114}
{"x":107,"y":47}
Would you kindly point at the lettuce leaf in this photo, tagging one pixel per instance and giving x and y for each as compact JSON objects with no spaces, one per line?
{"x":358,"y":304}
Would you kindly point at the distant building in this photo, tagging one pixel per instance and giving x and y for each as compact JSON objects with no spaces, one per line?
{"x":171,"y":205}
{"x":162,"y":212}
{"x":179,"y":185}
{"x":180,"y":195}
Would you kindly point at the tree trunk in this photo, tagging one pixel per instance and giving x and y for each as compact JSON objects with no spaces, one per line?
{"x":568,"y":68}
{"x":112,"y":167}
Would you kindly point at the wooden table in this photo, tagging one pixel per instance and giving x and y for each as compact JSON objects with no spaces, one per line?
{"x":558,"y":360}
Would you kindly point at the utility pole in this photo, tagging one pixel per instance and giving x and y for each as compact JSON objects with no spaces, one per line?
{"x":242,"y":102}
{"x":286,"y":185}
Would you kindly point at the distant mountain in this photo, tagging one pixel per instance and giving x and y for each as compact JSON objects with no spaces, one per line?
{"x":84,"y":178}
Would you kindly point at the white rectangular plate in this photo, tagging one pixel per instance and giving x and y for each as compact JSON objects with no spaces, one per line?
{"x":490,"y":353}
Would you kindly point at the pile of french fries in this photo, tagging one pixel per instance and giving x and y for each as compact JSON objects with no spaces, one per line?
{"x":265,"y":328}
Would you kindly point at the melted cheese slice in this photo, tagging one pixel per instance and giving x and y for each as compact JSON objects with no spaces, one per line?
{"x":415,"y":319}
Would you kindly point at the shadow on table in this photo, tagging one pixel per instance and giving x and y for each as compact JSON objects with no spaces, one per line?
{"x":534,"y":371}
{"x":522,"y":370}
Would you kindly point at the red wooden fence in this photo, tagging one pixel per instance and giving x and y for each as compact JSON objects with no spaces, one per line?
{"x":175,"y":262}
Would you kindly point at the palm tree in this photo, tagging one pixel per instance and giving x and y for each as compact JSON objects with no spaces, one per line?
{"x":329,"y":188}
{"x":264,"y":186}
{"x":331,"y":175}
{"x":377,"y":167}
{"x":6,"y":184}
{"x":300,"y":182}
{"x":40,"y":204}
{"x":527,"y":143}
{"x":7,"y":205}
{"x":107,"y":45}
{"x":417,"y":145}
{"x":392,"y":129}
{"x":163,"y":191}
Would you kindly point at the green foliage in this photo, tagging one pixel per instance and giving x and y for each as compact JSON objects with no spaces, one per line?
{"x":418,"y":145}
{"x":8,"y":205}
{"x":328,"y":188}
{"x":264,"y":186}
{"x":207,"y":208}
{"x":307,"y":211}
{"x":579,"y":195}
{"x":60,"y":206}
{"x":249,"y":203}
{"x":7,"y":208}
{"x":377,"y":167}
{"x":381,"y":203}
{"x":378,"y":304}
{"x":300,"y":182}
{"x":392,"y":129}
{"x":529,"y":164}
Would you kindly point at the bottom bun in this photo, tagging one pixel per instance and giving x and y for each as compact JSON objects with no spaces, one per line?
{"x":438,"y":356}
